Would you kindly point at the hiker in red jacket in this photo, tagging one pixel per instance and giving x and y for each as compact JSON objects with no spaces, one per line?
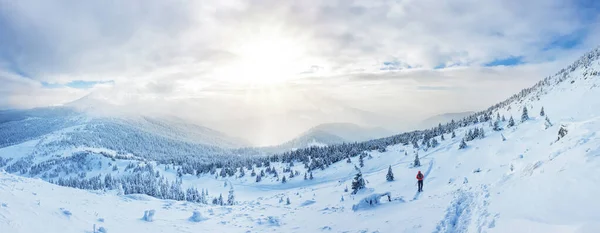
{"x":420,"y":181}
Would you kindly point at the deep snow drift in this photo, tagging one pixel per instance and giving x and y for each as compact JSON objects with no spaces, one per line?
{"x":523,"y":178}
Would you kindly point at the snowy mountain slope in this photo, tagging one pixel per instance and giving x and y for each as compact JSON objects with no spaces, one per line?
{"x":534,"y":181}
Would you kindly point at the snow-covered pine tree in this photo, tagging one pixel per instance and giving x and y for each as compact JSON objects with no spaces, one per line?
{"x":220,"y":200}
{"x":283,"y":180}
{"x":253,"y":173}
{"x":389,"y":176}
{"x":348,"y":160}
{"x":524,"y":116}
{"x":346,"y":189}
{"x":417,"y":162}
{"x":503,"y":138}
{"x":497,"y":126}
{"x":358,"y":183}
{"x":262,"y":172}
{"x":511,"y":122}
{"x":442,"y":137}
{"x":434,"y":143}
{"x":503,"y":118}
{"x":305,"y":176}
{"x":287,"y":201}
{"x":311,"y":176}
{"x":462,"y":145}
{"x":562,"y":132}
{"x":361,"y":161}
{"x":242,"y":173}
{"x":231,"y":197}
{"x":547,"y":124}
{"x":258,"y":178}
{"x":453,"y":134}
{"x":542,"y":113}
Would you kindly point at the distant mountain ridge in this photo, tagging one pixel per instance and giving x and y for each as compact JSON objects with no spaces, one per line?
{"x":330,"y":134}
{"x":443,"y":118}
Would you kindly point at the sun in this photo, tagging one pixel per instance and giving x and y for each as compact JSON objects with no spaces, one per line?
{"x":264,"y":59}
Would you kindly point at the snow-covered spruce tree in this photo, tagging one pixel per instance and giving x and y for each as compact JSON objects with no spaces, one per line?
{"x":305,"y":176}
{"x":511,"y":122}
{"x":417,"y":162}
{"x":231,"y":197}
{"x":497,"y":126}
{"x":434,"y":143}
{"x":389,"y":176}
{"x":503,"y":118}
{"x":348,"y":160}
{"x":524,"y":116}
{"x":462,"y":145}
{"x":346,"y":189}
{"x":358,"y":183}
{"x":253,"y":173}
{"x":453,"y":134}
{"x":503,"y":138}
{"x":291,"y":174}
{"x":542,"y":113}
{"x":283,"y":180}
{"x":242,"y":173}
{"x":311,"y":176}
{"x":220,"y":200}
{"x":547,"y":124}
{"x":442,"y":137}
{"x":262,"y":172}
{"x":287,"y":201}
{"x":562,"y":132}
{"x":361,"y":161}
{"x":258,"y":178}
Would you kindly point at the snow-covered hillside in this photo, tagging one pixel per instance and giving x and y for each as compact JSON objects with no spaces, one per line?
{"x":538,"y":175}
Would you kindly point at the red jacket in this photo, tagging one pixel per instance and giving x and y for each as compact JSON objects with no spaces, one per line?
{"x":420,"y":176}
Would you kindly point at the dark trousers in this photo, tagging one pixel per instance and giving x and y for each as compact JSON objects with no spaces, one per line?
{"x":420,"y":182}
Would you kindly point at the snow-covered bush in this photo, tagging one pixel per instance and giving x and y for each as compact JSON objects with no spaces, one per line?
{"x":148,"y":215}
{"x":197,"y":217}
{"x":102,"y":230}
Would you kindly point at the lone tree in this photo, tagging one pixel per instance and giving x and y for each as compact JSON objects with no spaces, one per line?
{"x":542,"y":113}
{"x":524,"y":116}
{"x":548,"y":124}
{"x":358,"y":183}
{"x":417,"y":162}
{"x":231,"y":197}
{"x":462,"y":145}
{"x":287,"y":202}
{"x":562,"y":132}
{"x":283,"y":180}
{"x":390,"y":175}
{"x":511,"y":122}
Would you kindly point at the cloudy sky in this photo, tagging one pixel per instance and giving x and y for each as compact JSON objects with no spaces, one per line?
{"x":287,"y":63}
